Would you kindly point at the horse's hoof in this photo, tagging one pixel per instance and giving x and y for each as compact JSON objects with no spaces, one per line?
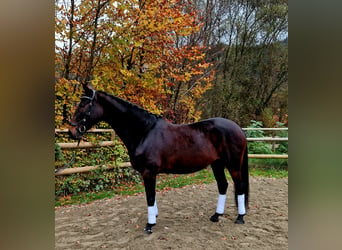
{"x":239,"y":219}
{"x":148,"y":228}
{"x":215,"y":217}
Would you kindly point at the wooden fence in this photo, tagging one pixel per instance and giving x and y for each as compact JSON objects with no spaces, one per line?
{"x":73,"y":145}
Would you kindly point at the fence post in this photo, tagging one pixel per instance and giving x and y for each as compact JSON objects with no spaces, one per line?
{"x":112,"y":137}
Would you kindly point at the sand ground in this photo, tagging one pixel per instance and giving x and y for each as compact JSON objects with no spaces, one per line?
{"x":183,"y":221}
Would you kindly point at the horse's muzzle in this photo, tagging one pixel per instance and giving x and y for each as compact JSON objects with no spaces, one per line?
{"x":73,"y":133}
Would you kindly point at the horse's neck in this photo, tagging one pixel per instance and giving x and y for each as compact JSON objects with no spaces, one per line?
{"x":131,"y":124}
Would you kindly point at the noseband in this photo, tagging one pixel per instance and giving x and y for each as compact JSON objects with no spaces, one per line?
{"x":80,"y":127}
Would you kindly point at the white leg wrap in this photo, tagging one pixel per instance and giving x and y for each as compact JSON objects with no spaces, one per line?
{"x":241,"y":204}
{"x":151,"y":215}
{"x":220,"y":203}
{"x":155,"y":208}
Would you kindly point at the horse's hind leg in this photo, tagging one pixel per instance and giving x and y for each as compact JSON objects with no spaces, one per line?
{"x":241,"y":183}
{"x":222,"y":184}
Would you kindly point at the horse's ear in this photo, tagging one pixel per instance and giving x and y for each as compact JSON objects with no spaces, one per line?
{"x":88,"y":90}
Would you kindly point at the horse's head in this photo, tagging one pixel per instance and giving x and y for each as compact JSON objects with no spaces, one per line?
{"x":87,"y":114}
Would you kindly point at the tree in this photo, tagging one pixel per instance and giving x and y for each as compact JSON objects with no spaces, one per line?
{"x":139,"y":50}
{"x":247,"y":53}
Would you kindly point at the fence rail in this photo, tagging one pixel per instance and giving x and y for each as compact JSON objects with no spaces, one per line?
{"x":94,"y":130}
{"x":73,"y":145}
{"x":266,"y":129}
{"x":90,"y":168}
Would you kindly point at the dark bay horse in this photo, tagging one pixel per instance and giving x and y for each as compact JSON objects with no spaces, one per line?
{"x":157,"y":146}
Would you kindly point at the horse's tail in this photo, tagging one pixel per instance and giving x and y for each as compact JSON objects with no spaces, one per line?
{"x":244,"y":178}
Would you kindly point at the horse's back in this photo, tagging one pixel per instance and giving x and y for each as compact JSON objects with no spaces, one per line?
{"x":227,"y":137}
{"x":222,"y":126}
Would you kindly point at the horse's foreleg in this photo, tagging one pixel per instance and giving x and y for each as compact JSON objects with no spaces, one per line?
{"x":222,"y":184}
{"x":150,"y":189}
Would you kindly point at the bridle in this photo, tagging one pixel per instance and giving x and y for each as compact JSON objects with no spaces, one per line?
{"x":80,"y":127}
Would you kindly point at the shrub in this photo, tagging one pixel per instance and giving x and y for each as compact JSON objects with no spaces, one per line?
{"x":96,"y":180}
{"x":258,"y":147}
{"x":58,"y":153}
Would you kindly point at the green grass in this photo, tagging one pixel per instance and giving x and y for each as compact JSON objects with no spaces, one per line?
{"x":277,"y":163}
{"x":167,"y":182}
{"x":269,"y":172}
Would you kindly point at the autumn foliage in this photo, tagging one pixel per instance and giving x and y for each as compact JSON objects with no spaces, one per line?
{"x":142,"y":51}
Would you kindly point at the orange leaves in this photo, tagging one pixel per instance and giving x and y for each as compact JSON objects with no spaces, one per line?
{"x":67,"y":93}
{"x":143,"y":53}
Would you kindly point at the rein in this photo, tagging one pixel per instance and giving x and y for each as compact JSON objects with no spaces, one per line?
{"x":71,"y":162}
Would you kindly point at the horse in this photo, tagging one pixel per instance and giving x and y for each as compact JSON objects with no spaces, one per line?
{"x":156,"y":146}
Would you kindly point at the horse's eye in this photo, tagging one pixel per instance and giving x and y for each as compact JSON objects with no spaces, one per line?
{"x":82,"y":104}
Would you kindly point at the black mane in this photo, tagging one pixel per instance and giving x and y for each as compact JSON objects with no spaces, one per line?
{"x":131,"y":105}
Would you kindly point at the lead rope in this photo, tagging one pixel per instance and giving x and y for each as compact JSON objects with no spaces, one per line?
{"x":71,"y":162}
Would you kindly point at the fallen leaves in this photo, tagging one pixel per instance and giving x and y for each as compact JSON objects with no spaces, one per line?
{"x":162,"y":238}
{"x":232,"y":237}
